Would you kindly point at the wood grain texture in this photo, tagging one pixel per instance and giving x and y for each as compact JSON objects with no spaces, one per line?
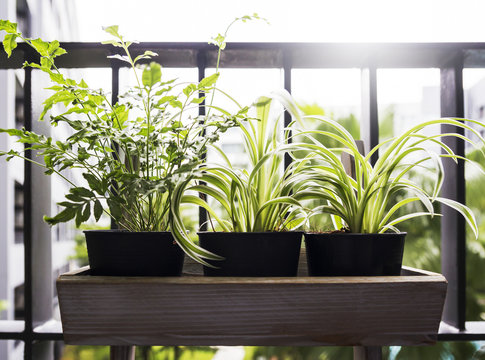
{"x":195,"y":310}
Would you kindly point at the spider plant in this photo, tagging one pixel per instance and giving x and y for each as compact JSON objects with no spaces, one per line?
{"x":365,"y":203}
{"x":257,"y":199}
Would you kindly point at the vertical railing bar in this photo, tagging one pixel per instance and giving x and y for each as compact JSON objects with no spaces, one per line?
{"x":28,"y":295}
{"x":369,"y":126}
{"x":287,"y":66}
{"x":115,"y":90}
{"x":453,"y":230}
{"x":116,"y":351}
{"x":201,"y":67}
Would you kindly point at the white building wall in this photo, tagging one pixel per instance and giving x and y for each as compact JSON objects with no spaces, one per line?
{"x":50,"y":19}
{"x":7,"y":246}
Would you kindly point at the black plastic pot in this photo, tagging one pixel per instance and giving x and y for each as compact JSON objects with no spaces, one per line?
{"x":124,"y":253}
{"x":253,"y":254}
{"x":346,"y":254}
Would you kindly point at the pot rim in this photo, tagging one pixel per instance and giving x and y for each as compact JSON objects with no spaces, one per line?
{"x":251,"y":232}
{"x":354,"y":234}
{"x":125,"y":231}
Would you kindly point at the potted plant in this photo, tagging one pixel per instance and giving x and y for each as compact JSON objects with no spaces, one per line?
{"x":365,"y":240}
{"x":255,"y":235}
{"x":132,"y":154}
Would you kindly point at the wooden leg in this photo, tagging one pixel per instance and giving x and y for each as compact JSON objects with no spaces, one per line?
{"x":367,"y":353}
{"x":122,"y":352}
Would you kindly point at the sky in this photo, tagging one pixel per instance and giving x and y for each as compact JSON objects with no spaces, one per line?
{"x":302,"y":20}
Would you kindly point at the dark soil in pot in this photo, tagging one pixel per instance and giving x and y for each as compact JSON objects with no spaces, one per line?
{"x":253,"y":254}
{"x":124,"y":253}
{"x":347,"y":254}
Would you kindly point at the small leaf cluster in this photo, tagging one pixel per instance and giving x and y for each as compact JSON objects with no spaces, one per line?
{"x":132,"y":153}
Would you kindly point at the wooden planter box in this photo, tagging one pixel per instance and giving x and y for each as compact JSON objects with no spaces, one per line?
{"x":196,"y":310}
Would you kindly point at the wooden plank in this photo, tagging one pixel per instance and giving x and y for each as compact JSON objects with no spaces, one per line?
{"x":194,"y":310}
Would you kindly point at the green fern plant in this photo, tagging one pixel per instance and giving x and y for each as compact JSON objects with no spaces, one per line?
{"x":132,"y":153}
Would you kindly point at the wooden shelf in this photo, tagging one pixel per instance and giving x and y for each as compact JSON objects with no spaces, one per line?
{"x":196,"y":310}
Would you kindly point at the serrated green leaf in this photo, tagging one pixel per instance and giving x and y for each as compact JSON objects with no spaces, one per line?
{"x":75,"y":198}
{"x":67,"y":204}
{"x":114,"y":208}
{"x":86,"y":212}
{"x":41,"y":46}
{"x":54,"y":49}
{"x":165,"y":99}
{"x":93,"y":182}
{"x":8,"y":26}
{"x":112,"y":42}
{"x":58,"y":78}
{"x":79,"y":215}
{"x":98,"y":209}
{"x":65,"y":215}
{"x":12,"y":132}
{"x":152,"y":74}
{"x":82,"y":191}
{"x":112,"y":30}
{"x":146,"y":131}
{"x":45,"y":63}
{"x":120,"y":57}
{"x":198,"y":100}
{"x":209,"y":81}
{"x":58,"y":52}
{"x":146,"y":55}
{"x":219,"y":41}
{"x":9,"y":43}
{"x":176,"y":103}
{"x":189,"y":89}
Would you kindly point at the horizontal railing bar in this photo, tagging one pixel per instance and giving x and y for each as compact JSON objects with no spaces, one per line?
{"x":475,"y":331}
{"x":270,"y":55}
{"x":52,"y":330}
{"x":12,"y":329}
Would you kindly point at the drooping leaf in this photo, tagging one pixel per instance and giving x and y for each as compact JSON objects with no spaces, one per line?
{"x":120,"y":57}
{"x":9,"y":43}
{"x":98,"y":210}
{"x":146,"y":55}
{"x":464,"y":211}
{"x":114,"y":208}
{"x":65,"y":215}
